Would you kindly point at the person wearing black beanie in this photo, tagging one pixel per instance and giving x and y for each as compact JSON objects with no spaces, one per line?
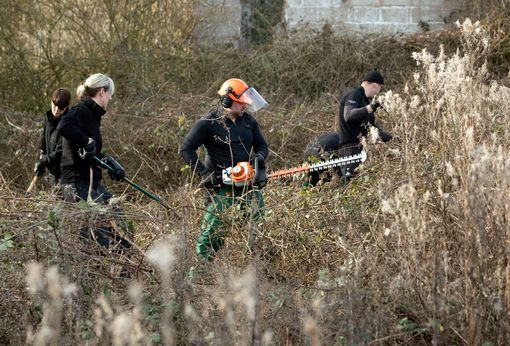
{"x":374,"y":77}
{"x":356,"y":114}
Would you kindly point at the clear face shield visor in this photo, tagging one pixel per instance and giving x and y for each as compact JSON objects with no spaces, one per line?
{"x":253,"y":99}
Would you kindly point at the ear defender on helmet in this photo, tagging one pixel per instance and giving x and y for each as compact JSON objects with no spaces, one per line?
{"x":226,"y":101}
{"x":231,"y":91}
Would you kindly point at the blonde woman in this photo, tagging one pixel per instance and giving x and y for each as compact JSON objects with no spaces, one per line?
{"x":80,"y":127}
{"x":81,"y":131}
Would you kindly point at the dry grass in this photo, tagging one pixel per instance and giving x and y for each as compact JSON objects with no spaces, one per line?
{"x":413,"y":251}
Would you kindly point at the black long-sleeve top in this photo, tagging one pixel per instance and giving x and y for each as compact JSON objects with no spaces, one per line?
{"x":51,"y":142}
{"x":81,"y":122}
{"x":354,"y":118}
{"x":226,"y":142}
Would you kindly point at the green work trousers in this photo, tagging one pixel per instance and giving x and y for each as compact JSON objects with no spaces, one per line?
{"x":212,"y":230}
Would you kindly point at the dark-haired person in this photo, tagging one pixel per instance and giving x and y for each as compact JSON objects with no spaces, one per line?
{"x":51,"y":140}
{"x":82,"y":140}
{"x":230,"y":134}
{"x":357,"y":114}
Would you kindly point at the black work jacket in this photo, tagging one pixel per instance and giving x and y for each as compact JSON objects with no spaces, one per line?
{"x":81,"y":122}
{"x":51,"y":142}
{"x":354,"y":119}
{"x":226,"y":142}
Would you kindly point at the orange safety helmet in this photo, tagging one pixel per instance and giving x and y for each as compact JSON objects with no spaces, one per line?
{"x":234,"y":89}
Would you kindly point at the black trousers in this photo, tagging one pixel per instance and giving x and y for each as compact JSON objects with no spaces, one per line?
{"x":105,"y":235}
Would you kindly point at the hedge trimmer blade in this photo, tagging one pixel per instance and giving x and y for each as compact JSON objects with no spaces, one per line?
{"x":320,"y":166}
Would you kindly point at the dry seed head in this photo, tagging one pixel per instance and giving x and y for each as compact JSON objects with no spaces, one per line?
{"x":426,"y":196}
{"x":373,"y":135}
{"x":415,"y":102}
{"x":469,"y":138}
{"x":386,"y":207}
{"x":244,"y":291}
{"x":99,"y":322}
{"x":53,"y":281}
{"x":190,"y":312}
{"x":423,"y":58}
{"x":209,"y":337}
{"x":449,"y":169}
{"x":121,"y":329}
{"x":162,"y":255}
{"x":44,"y":335}
{"x":248,"y":292}
{"x":68,"y":289}
{"x":267,"y":338}
{"x":34,"y":278}
{"x":310,"y":325}
{"x":105,"y":306}
{"x":135,"y":292}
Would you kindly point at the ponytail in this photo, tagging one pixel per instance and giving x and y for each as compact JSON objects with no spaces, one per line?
{"x":93,"y":84}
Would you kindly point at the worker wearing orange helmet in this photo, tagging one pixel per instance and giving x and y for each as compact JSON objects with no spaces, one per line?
{"x":230,"y":134}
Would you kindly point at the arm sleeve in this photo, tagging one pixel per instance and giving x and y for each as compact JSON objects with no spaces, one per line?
{"x":354,"y":109}
{"x":259,"y":142}
{"x":193,"y":140}
{"x":56,"y":155}
{"x":71,"y":132}
{"x":42,"y":140}
{"x":356,"y":114}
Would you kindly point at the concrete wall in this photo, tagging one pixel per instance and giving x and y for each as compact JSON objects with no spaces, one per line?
{"x":388,"y":16}
{"x":221,"y":19}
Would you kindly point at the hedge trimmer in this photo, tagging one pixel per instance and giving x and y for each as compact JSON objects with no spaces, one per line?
{"x":320,"y":166}
{"x":243,"y":173}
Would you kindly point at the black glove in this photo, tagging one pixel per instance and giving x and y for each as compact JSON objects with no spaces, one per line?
{"x":88,"y":151}
{"x":375,"y":104}
{"x":260,"y":158}
{"x":260,"y":178}
{"x":39,"y":168}
{"x":210,"y":180}
{"x":118,"y":173}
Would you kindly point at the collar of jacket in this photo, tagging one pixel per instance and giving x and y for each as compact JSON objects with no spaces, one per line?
{"x":51,"y":118}
{"x":94,"y":108}
{"x":362,"y":91}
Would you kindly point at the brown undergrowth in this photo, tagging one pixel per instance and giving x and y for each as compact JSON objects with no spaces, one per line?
{"x":411,"y":251}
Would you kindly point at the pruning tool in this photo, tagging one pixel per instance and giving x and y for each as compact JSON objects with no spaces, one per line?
{"x":136,"y":186}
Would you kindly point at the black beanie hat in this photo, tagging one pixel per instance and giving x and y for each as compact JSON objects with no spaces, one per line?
{"x":374,"y":77}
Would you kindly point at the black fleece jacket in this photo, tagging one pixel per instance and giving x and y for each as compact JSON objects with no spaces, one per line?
{"x":81,"y":122}
{"x":354,"y":119}
{"x":51,"y":143}
{"x":226,"y":143}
